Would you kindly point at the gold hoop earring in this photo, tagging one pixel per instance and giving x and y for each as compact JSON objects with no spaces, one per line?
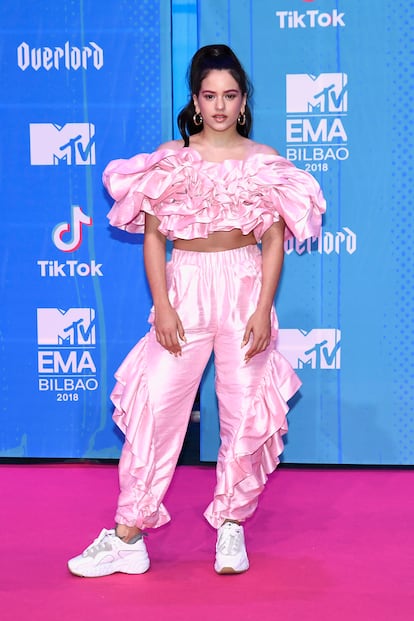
{"x":197,"y":119}
{"x":241,"y":119}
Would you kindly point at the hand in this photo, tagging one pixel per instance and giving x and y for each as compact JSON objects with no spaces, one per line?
{"x":259,"y":327}
{"x":168,"y":329}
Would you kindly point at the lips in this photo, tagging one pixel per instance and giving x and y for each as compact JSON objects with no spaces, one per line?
{"x":219,"y":117}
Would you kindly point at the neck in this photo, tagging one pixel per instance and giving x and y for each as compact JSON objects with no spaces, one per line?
{"x":219,"y":140}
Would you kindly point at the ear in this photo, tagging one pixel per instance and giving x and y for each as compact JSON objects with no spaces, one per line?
{"x":196,"y":106}
{"x":243,"y":106}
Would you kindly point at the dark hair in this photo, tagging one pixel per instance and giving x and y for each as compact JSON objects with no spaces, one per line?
{"x":206,"y":59}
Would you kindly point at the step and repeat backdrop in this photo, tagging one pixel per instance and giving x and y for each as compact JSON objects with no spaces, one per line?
{"x":83,"y":83}
{"x":332,"y":93}
{"x":332,"y":89}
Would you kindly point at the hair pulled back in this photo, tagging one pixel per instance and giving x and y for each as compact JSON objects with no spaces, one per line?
{"x":206,"y":59}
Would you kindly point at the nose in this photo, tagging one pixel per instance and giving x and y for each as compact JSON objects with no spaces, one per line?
{"x":220,"y":103}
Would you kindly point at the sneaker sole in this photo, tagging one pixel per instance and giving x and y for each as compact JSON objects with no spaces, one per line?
{"x":225,"y":571}
{"x":107,"y":570}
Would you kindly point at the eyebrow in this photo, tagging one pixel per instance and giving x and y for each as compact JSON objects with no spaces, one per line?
{"x":230,"y":90}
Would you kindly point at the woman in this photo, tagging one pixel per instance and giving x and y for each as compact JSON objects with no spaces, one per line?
{"x":216,"y":194}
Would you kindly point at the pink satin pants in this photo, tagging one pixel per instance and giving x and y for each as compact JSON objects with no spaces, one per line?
{"x":214,"y":295}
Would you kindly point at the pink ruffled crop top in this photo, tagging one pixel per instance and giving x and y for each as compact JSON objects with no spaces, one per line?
{"x":192,"y":197}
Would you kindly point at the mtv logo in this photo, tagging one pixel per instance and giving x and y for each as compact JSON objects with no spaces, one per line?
{"x":74,"y":327}
{"x":322,"y":94}
{"x":317,"y":349}
{"x":70,"y":144}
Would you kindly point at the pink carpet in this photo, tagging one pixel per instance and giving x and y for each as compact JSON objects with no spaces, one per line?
{"x":324,"y":544}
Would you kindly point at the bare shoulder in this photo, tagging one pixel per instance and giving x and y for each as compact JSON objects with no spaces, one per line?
{"x":174,"y":145}
{"x":264,"y":149}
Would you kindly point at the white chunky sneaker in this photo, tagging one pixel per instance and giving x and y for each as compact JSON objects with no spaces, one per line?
{"x":231,"y":555}
{"x":108,"y":554}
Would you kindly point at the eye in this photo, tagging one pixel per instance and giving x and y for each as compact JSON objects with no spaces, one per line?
{"x":208,"y":96}
{"x":231,"y":96}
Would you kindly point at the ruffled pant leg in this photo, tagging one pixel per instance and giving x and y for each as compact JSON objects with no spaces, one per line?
{"x":153,"y":397}
{"x":252,"y":405}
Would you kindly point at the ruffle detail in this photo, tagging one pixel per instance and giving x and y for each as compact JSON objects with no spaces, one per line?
{"x":257,"y":446}
{"x":194,"y":198}
{"x":134,"y":417}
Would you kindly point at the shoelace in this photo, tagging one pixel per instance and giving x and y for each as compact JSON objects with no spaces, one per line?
{"x":230,"y":540}
{"x":97,"y":545}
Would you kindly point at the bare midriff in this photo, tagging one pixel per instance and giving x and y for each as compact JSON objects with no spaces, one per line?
{"x":216,"y":242}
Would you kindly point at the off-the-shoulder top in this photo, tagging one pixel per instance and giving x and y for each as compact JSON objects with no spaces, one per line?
{"x":193,"y":198}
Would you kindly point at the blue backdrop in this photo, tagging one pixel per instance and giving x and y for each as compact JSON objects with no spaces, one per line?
{"x":84,"y":86}
{"x":332,"y":92}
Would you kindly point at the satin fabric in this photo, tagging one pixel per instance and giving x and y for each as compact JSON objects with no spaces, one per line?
{"x":194,"y":198}
{"x":214,"y":295}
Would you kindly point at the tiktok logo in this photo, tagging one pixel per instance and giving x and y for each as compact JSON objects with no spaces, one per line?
{"x":67,"y":237}
{"x":310,"y":19}
{"x":74,"y":228}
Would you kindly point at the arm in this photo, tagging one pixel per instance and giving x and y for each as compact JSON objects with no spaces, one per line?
{"x":167,"y":324}
{"x":258,"y":325}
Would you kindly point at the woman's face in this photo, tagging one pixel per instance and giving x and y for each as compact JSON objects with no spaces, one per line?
{"x":220,"y":100}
